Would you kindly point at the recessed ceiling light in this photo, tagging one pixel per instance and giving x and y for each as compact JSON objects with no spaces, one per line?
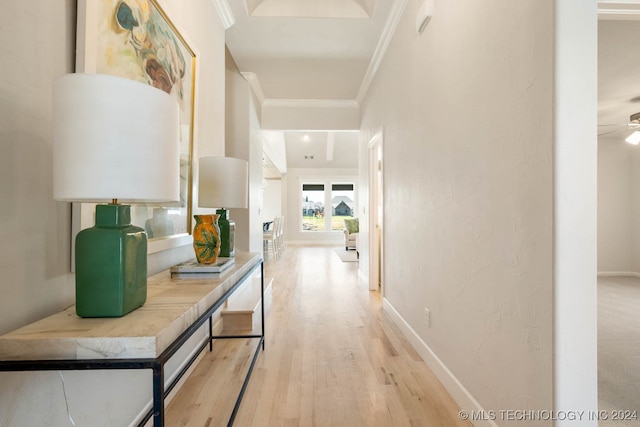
{"x":305,"y":138}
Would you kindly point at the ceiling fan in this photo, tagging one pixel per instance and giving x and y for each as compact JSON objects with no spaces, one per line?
{"x":634,"y":123}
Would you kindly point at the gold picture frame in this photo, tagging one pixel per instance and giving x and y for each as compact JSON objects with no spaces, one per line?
{"x":135,"y":39}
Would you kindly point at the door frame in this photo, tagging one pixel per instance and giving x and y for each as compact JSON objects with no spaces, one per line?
{"x":376,"y":212}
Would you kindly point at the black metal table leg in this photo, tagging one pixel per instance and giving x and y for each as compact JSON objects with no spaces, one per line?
{"x":158,"y":395}
{"x":262,"y":299}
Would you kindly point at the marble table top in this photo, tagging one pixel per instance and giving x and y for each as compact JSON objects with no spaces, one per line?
{"x":172,"y":306}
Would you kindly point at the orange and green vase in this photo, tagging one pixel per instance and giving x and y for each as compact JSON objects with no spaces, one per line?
{"x":206,"y":238}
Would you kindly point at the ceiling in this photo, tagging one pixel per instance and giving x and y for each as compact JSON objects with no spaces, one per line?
{"x":322,"y":149}
{"x":618,"y":77}
{"x":323,"y":49}
{"x":618,"y":67}
{"x":302,"y":57}
{"x":319,"y":50}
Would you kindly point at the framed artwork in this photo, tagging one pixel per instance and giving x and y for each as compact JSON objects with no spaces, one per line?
{"x":135,"y":39}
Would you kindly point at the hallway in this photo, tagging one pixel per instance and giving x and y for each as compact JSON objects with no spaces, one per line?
{"x":332,"y":358}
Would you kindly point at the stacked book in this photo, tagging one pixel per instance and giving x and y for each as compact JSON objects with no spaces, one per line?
{"x":195,"y":270}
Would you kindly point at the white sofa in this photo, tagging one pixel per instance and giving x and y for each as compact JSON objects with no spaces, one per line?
{"x":350,"y":240}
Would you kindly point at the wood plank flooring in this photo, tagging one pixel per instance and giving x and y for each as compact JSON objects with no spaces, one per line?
{"x":332,"y":358}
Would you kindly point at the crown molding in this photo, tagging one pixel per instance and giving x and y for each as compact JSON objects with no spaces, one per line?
{"x":619,"y":10}
{"x":310,"y":103}
{"x":254,"y":84}
{"x":385,"y":38}
{"x":224,"y":11}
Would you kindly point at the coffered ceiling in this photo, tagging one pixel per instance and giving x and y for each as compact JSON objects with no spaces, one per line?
{"x":325,"y":50}
{"x":309,"y":51}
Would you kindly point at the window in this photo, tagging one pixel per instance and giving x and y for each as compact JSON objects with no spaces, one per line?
{"x":342,"y":204}
{"x":313,"y":207}
{"x":326,"y":210}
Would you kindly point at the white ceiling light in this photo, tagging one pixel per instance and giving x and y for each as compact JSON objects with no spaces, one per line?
{"x":634,"y":122}
{"x":634,"y":138}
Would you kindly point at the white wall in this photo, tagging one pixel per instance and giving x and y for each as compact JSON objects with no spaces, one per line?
{"x":467,"y":110}
{"x":37,"y":45}
{"x":575,"y":101}
{"x":255,"y":182}
{"x":310,"y":115}
{"x":243,"y":141}
{"x":615,"y":196}
{"x":635,"y":209}
{"x":34,"y":229}
{"x":293,"y":182}
{"x":272,"y":199}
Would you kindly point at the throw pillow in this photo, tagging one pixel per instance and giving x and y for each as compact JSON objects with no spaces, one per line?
{"x":351,"y":225}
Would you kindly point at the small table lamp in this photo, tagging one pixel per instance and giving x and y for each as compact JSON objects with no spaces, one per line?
{"x":113,"y":139}
{"x":223,"y":183}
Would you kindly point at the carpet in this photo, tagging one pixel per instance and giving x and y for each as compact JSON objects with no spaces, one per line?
{"x":619,"y":350}
{"x":346,"y":256}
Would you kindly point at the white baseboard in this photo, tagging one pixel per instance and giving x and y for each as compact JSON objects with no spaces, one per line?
{"x":618,"y":274}
{"x":460,"y":394}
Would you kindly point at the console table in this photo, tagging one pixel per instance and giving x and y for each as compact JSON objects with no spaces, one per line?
{"x":143,"y":339}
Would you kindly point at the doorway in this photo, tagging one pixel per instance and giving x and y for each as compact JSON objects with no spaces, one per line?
{"x":376,"y":213}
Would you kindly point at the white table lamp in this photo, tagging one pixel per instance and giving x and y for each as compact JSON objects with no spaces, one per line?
{"x":224,"y":183}
{"x":114,"y":140}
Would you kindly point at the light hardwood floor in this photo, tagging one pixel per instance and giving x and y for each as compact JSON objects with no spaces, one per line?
{"x":332,"y":358}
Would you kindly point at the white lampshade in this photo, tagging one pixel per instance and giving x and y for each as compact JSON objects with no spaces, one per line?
{"x":114,"y":138}
{"x":223,"y":182}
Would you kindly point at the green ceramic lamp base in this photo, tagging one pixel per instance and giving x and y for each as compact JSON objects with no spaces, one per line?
{"x":227,"y":234}
{"x":111,"y":265}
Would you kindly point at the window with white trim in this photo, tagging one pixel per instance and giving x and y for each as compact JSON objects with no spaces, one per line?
{"x":325,"y":205}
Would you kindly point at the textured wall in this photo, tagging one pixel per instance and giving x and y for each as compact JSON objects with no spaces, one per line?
{"x":467,"y":115}
{"x":34,"y":229}
{"x":615,"y":196}
{"x":244,"y":141}
{"x":634,"y":196}
{"x":272,"y":195}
